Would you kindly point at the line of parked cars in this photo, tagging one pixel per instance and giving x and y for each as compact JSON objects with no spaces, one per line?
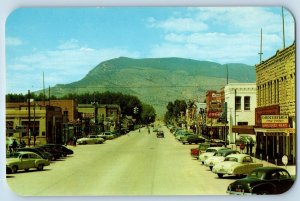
{"x":100,"y":138}
{"x":34,"y":157}
{"x":224,"y":161}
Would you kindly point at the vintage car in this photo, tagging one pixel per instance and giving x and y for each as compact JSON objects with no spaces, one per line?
{"x":209,"y":153}
{"x":160,"y":134}
{"x":44,"y":154}
{"x":193,"y":139}
{"x":218,"y":157}
{"x":24,"y":160}
{"x":183,"y":135}
{"x":236,"y":164}
{"x":263,"y":180}
{"x":90,"y":139}
{"x":195,"y":152}
{"x":107,"y":135}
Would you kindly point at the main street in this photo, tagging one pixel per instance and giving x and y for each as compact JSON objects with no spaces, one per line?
{"x":134,"y":164}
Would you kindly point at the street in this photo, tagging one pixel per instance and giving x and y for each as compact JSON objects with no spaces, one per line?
{"x":134,"y":164}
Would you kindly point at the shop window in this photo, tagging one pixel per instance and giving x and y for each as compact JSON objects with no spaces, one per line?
{"x":238,"y":103}
{"x":247,"y":103}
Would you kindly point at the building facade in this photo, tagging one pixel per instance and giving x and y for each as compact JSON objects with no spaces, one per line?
{"x":276,"y":100}
{"x":38,"y":125}
{"x":241,"y":104}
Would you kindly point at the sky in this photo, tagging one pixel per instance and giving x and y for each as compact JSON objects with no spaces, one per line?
{"x":66,"y":43}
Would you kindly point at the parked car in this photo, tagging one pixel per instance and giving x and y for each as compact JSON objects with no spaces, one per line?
{"x":193,"y":139}
{"x":45,"y":155}
{"x":182,"y":135}
{"x":195,"y":152}
{"x":263,"y":180}
{"x":236,"y":164}
{"x":25,"y":160}
{"x":209,"y":153}
{"x":91,"y":139}
{"x":218,"y":157}
{"x":107,"y":135}
{"x":66,"y":151}
{"x":54,"y":151}
{"x":160,"y":134}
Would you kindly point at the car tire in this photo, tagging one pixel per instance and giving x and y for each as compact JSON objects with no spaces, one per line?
{"x":220,"y":175}
{"x":14,"y":169}
{"x":26,"y":169}
{"x":40,"y":167}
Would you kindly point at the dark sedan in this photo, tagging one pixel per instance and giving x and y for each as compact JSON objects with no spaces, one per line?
{"x":190,"y":139}
{"x":66,"y":151}
{"x":263,"y":181}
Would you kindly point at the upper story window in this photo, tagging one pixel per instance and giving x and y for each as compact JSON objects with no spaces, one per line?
{"x":238,"y":103}
{"x":247,"y":103}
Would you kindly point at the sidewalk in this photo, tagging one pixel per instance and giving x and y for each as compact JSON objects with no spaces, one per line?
{"x":290,"y":168}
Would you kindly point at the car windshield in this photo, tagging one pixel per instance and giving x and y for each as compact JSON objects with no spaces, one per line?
{"x":13,"y":155}
{"x":219,"y":154}
{"x":233,"y":159}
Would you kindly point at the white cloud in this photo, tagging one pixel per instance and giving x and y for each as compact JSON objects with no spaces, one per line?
{"x":182,"y":24}
{"x":13,"y":41}
{"x":67,"y":63}
{"x":230,"y":34}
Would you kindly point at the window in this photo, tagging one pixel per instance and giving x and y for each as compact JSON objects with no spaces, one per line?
{"x":238,"y":103}
{"x":247,"y":103}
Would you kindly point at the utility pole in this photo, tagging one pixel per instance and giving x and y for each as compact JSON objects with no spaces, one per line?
{"x":283,"y":33}
{"x":28,"y":125}
{"x":260,"y":52}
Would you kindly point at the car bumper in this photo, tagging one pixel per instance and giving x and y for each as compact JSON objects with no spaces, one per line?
{"x":237,"y":193}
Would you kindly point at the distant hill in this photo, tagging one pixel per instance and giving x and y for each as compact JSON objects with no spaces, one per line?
{"x":157,"y":81}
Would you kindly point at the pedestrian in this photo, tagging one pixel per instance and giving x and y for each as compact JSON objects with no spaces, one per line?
{"x":14,"y":145}
{"x":74,"y":141}
{"x":251,"y":146}
{"x":148,"y":130}
{"x":247,"y":147}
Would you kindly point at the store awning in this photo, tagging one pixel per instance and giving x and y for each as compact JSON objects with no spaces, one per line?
{"x":243,"y":129}
{"x":275,"y":131}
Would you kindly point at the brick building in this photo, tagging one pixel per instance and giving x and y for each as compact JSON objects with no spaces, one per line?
{"x":276,"y":97}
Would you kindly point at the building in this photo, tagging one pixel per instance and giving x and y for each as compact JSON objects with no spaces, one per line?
{"x":34,"y":123}
{"x":275,"y":116}
{"x":241,"y":104}
{"x":214,"y":108}
{"x":99,"y":117}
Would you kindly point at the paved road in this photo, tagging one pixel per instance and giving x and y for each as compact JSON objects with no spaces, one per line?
{"x":138,"y":164}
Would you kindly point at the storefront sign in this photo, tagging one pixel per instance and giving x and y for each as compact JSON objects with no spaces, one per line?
{"x":213,"y":114}
{"x":275,"y":121}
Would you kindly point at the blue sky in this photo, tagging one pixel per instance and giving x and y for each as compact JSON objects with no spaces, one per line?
{"x":66,"y":43}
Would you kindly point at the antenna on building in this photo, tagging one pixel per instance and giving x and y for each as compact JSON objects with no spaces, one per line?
{"x":260,"y":52}
{"x":44,"y":95}
{"x":283,"y":34}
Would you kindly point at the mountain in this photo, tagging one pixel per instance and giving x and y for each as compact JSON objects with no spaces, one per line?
{"x":157,"y":81}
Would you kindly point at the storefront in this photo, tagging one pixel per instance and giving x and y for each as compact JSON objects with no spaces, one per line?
{"x":273,"y":143}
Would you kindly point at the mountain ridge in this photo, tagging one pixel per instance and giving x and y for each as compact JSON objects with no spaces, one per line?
{"x":157,"y":81}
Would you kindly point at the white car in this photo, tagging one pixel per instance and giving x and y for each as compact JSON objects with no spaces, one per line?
{"x":90,"y":139}
{"x":218,"y":157}
{"x":209,"y":153}
{"x":236,"y":164}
